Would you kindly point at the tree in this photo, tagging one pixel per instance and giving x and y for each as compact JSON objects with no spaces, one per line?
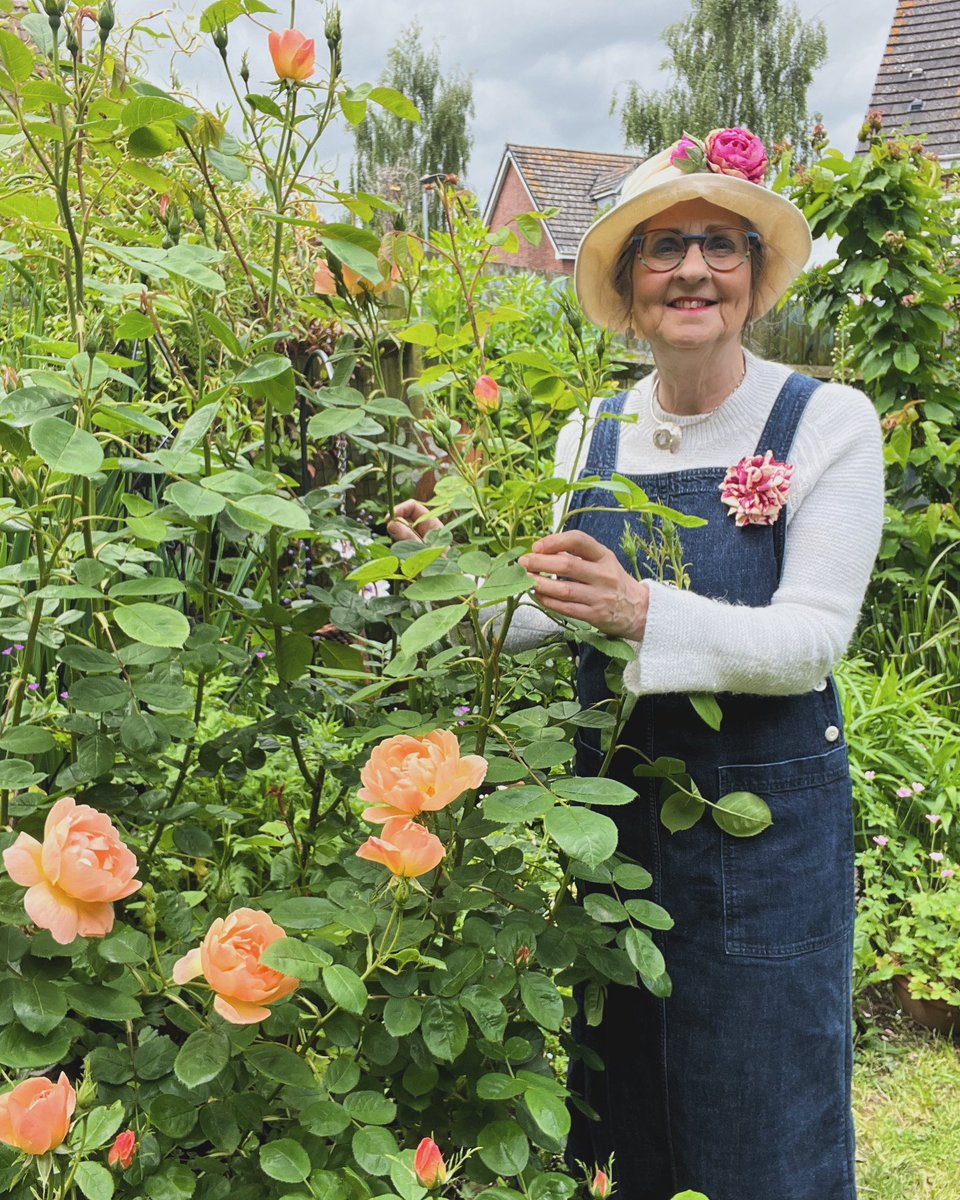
{"x":393,"y":154}
{"x":735,"y":62}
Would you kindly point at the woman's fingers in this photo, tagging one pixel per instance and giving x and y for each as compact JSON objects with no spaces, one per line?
{"x":411,"y":521}
{"x":571,"y":541}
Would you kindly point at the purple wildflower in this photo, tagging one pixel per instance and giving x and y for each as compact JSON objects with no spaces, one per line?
{"x":936,"y":856}
{"x":881,"y":840}
{"x":904,"y":793}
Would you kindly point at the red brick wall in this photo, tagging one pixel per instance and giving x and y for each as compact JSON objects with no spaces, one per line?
{"x":514,"y":199}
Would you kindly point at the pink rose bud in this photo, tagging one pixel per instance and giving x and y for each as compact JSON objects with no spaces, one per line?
{"x":428,"y":1163}
{"x":486,"y":392}
{"x":688,"y":155}
{"x":123,"y":1150}
{"x":522,"y":957}
{"x":600,"y":1188}
{"x":35,"y":1115}
{"x":293,"y":55}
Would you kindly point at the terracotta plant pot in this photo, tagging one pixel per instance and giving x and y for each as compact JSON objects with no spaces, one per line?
{"x":932,"y":1014}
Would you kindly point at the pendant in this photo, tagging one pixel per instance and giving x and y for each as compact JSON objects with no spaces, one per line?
{"x":667,"y":436}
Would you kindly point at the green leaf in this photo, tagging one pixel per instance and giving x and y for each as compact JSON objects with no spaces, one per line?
{"x":194,"y":501}
{"x":742,"y":814}
{"x":201,"y":1057}
{"x":632,"y":877}
{"x":431,"y":627}
{"x":281,"y":1064}
{"x":354,"y":247}
{"x":374,"y":1149}
{"x":375,"y":570}
{"x":649,"y":914}
{"x":148,"y":110}
{"x":99,"y":694}
{"x":285,"y":1160}
{"x":507,"y":806}
{"x":65,"y":448}
{"x":681,"y":811}
{"x":94,"y":1181}
{"x":190,"y":261}
{"x":591,"y":790}
{"x":401,"y":1015}
{"x":124,"y":945}
{"x":549,"y":1112}
{"x":274,"y":510}
{"x":604,"y":908}
{"x":294,"y":656}
{"x":707,"y":709}
{"x":103,"y":1002}
{"x":448,"y":586}
{"x":644,"y":954}
{"x":370,"y":1108}
{"x":195,"y":428}
{"x":17,"y":773}
{"x":151,"y":585}
{"x":16,"y":56}
{"x":499,"y":1087}
{"x":26,"y":1051}
{"x":583,"y":834}
{"x":346,"y":988}
{"x":503,"y":1147}
{"x":152,"y":624}
{"x":541,"y":1000}
{"x":292,"y":957}
{"x":906,"y":358}
{"x":444,"y":1029}
{"x":395,"y":102}
{"x":102,"y":1124}
{"x":423,"y":333}
{"x":38,"y":1005}
{"x":324,"y":1118}
{"x":333,"y":421}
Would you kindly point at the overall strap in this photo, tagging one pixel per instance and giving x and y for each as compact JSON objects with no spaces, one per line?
{"x":781,"y":426}
{"x":605,"y":439}
{"x":778,"y":435}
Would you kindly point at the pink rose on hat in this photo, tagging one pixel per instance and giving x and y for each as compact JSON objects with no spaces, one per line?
{"x":737,"y":152}
{"x":756,"y":489}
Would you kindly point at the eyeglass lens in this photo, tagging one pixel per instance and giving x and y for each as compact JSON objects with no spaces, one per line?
{"x":722,"y":249}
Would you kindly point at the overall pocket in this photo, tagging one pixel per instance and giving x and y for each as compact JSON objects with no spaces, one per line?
{"x":790,"y":889}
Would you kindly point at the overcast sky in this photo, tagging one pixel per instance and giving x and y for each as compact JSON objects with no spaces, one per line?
{"x":544,"y":71}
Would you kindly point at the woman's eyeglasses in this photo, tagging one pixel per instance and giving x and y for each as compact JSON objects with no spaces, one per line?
{"x":722,"y":249}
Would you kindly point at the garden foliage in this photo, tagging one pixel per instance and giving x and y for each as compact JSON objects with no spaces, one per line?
{"x":228,"y":971}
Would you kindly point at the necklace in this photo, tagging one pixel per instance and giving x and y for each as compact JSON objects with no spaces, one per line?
{"x":668,"y":434}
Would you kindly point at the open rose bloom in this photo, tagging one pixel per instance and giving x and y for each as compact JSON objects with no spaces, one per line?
{"x":736,"y":152}
{"x":35,"y":1115}
{"x":408,"y":775}
{"x":228,"y":958}
{"x":756,"y":489}
{"x":404,"y":847}
{"x":293,"y":55}
{"x":75,"y":876}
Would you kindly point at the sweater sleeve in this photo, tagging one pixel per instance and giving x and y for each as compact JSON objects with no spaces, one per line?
{"x":696,"y":644}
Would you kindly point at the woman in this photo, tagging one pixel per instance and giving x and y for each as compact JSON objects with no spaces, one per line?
{"x":738,"y":1084}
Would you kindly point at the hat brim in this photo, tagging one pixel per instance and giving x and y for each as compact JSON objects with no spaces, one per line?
{"x":781,"y":225}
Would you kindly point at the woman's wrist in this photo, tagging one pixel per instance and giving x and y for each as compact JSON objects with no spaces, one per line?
{"x":641,"y":605}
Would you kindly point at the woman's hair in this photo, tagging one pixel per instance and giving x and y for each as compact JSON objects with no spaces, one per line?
{"x":623,"y":269}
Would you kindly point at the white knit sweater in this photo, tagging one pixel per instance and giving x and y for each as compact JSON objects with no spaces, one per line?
{"x":834,"y":518}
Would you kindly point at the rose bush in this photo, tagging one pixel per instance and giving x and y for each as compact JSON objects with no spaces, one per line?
{"x":200,"y":677}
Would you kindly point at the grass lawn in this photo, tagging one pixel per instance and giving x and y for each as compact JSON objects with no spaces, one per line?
{"x":906,"y":1097}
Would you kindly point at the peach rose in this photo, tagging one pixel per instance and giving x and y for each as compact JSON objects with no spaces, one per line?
{"x":228,"y":958}
{"x":405,"y":848}
{"x":123,"y":1151}
{"x":35,"y":1115}
{"x":486,"y":392}
{"x":293,"y":55}
{"x":408,"y":775}
{"x":74,"y":877}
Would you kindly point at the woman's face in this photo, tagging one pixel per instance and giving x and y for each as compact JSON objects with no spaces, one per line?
{"x":691,"y":307}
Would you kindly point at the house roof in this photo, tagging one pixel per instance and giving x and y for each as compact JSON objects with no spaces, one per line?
{"x":571,"y":180}
{"x":917,"y":84}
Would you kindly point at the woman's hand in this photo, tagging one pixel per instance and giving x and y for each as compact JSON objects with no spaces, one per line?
{"x":591,"y":585}
{"x":411,"y":522}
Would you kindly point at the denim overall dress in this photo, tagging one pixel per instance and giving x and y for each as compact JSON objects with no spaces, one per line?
{"x":738,"y":1084}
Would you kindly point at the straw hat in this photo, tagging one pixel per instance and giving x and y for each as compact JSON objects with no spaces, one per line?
{"x":721,"y":169}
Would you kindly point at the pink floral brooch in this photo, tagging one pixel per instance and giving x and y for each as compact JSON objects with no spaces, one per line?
{"x":756,"y":489}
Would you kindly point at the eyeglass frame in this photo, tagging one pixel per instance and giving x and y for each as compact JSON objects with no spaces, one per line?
{"x":750,"y":234}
